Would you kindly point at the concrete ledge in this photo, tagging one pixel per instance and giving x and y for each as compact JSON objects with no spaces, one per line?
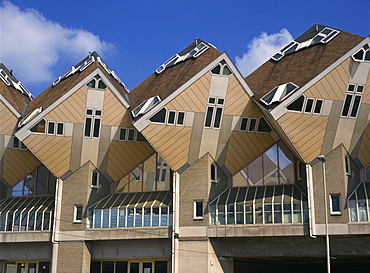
{"x":258,"y":230}
{"x":127,"y":233}
{"x":24,"y":237}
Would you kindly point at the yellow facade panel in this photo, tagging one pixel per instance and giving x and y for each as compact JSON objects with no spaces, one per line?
{"x":114,"y":112}
{"x":237,"y":99}
{"x":334,"y":85}
{"x":366,"y":96}
{"x":8,"y":121}
{"x":364,"y":153}
{"x":70,"y":110}
{"x":306,"y":132}
{"x":194,"y":98}
{"x":18,"y":164}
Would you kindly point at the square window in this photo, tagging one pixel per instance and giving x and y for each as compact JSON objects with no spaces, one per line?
{"x":97,"y":112}
{"x":220,"y":101}
{"x":89,"y":112}
{"x":198,"y":209}
{"x":211,"y":100}
{"x":335,"y":207}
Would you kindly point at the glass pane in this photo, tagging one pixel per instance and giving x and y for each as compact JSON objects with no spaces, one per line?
{"x":258,"y":213}
{"x":160,"y":266}
{"x":296,"y":105}
{"x":159,"y":117}
{"x":105,"y":223}
{"x":218,"y":117}
{"x":230,"y":214}
{"x":346,"y":105}
{"x":96,"y":127}
{"x":121,"y":267}
{"x":155,"y":217}
{"x":134,"y":267}
{"x":42,"y":178}
{"x":24,"y":221}
{"x":335,"y":203}
{"x":309,"y":105}
{"x":122,"y":218}
{"x":287,"y":213}
{"x":362,"y":211}
{"x":249,"y":214}
{"x":221,"y":215}
{"x":209,"y":117}
{"x":164,"y":216}
{"x":18,"y":188}
{"x":140,"y":137}
{"x":216,"y":70}
{"x":138,"y":217}
{"x":147,"y":267}
{"x":318,"y":106}
{"x":113,"y":217}
{"x":146,"y":217}
{"x":29,"y":184}
{"x":130,"y":217}
{"x":91,"y":84}
{"x":252,"y":125}
{"x":180,"y":118}
{"x":46,"y":225}
{"x":255,"y":175}
{"x":52,"y":184}
{"x":31,"y":221}
{"x":51,"y":128}
{"x":122,"y":134}
{"x":277,"y":214}
{"x":286,"y":166}
{"x":263,"y":126}
{"x":131,"y":135}
{"x":243,"y":125}
{"x":270,"y":166}
{"x":97,"y":221}
{"x":226,"y":71}
{"x":297,"y":214}
{"x":39,"y":221}
{"x":356,"y":105}
{"x":108,"y":267}
{"x":171,"y":117}
{"x":268,"y":213}
{"x":88,"y":122}
{"x":352,"y":210}
{"x":95,"y":267}
{"x":60,"y":128}
{"x":101,"y":84}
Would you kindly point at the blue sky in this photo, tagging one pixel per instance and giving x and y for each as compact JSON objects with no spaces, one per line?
{"x":40,"y":39}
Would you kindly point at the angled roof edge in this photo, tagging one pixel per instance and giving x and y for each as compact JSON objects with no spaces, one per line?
{"x":24,"y":131}
{"x":143,"y":122}
{"x":279,"y":110}
{"x":10,"y":106}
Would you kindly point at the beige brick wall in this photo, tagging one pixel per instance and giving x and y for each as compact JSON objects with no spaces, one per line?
{"x":73,"y":257}
{"x":195,"y":184}
{"x":337,"y":182}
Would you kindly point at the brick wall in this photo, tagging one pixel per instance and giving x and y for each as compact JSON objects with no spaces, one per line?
{"x":73,"y":257}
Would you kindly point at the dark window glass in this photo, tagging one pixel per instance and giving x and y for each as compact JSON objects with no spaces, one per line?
{"x":97,"y":112}
{"x":360,"y":89}
{"x":213,"y":172}
{"x":91,"y":84}
{"x":252,"y":125}
{"x":96,"y":127}
{"x":226,"y":71}
{"x":335,"y":203}
{"x":52,"y":183}
{"x":15,"y":143}
{"x":39,"y":221}
{"x":346,"y":105}
{"x":131,"y":134}
{"x":243,"y":125}
{"x":359,"y":55}
{"x":220,"y":101}
{"x":356,"y":105}
{"x":23,"y":147}
{"x":122,"y":134}
{"x":108,"y":267}
{"x":211,"y":100}
{"x":29,"y":184}
{"x":367,"y":56}
{"x":88,"y":122}
{"x":218,"y":117}
{"x":60,"y":128}
{"x":263,"y":126}
{"x":95,"y":177}
{"x":199,"y":209}
{"x":121,"y":267}
{"x":134,"y":267}
{"x":42,"y":179}
{"x":160,"y":266}
{"x":159,"y":117}
{"x":51,"y":127}
{"x":180,"y":118}
{"x":296,"y":105}
{"x":351,"y":87}
{"x":216,"y":70}
{"x":46,"y":220}
{"x":101,"y":85}
{"x":140,"y":137}
{"x":309,"y":105}
{"x":147,"y":267}
{"x":171,"y":117}
{"x":95,"y":267}
{"x":89,"y":112}
{"x":209,"y":117}
{"x":318,"y":107}
{"x":39,"y":127}
{"x":78,"y":216}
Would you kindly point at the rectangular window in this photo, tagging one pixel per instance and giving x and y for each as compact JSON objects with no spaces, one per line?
{"x":92,"y":123}
{"x":352,"y":100}
{"x":15,"y":143}
{"x":95,"y":179}
{"x":252,"y":125}
{"x":51,"y":127}
{"x":122,"y":134}
{"x":131,"y":135}
{"x":60,"y":128}
{"x":348,"y":165}
{"x":335,"y":207}
{"x":180,"y":118}
{"x":77,"y":214}
{"x":309,"y":105}
{"x":213,"y":173}
{"x":198,"y":209}
{"x":244,"y":124}
{"x":214,"y":112}
{"x":171,"y":117}
{"x":318,"y":106}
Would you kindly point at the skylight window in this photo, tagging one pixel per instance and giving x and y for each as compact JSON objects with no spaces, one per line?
{"x":363,"y":55}
{"x":195,"y":52}
{"x":145,"y":106}
{"x":279,"y":93}
{"x":324,"y":36}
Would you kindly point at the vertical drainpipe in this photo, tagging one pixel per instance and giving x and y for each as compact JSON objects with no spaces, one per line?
{"x":311,"y":206}
{"x":175,"y":224}
{"x":56,"y":223}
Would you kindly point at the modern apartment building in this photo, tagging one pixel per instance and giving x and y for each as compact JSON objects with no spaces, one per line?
{"x":197,"y":169}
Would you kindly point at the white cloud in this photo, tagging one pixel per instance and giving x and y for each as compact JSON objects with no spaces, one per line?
{"x":31,"y":45}
{"x":260,"y":49}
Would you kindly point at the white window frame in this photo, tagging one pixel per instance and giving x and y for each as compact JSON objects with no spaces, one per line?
{"x":93,"y":117}
{"x":95,"y":179}
{"x":215,"y":107}
{"x":354,"y":94}
{"x":332,"y":212}
{"x":214,"y":170}
{"x":75,"y":214}
{"x":198,"y":217}
{"x":54,"y":130}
